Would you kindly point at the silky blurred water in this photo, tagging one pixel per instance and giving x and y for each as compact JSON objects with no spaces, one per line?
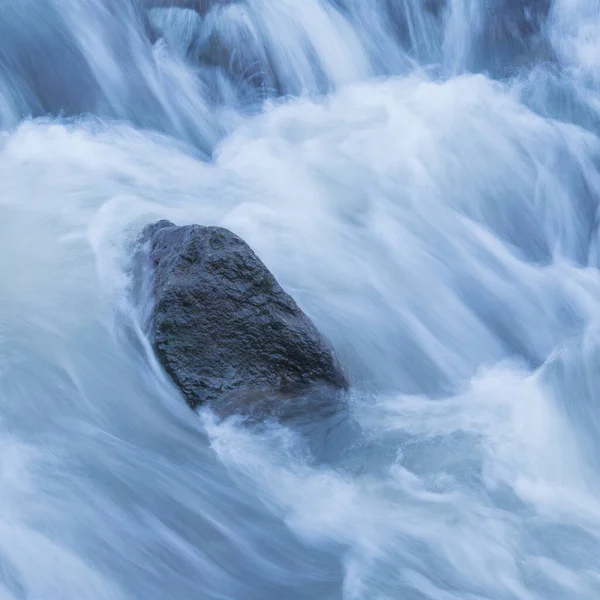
{"x":423,"y":177}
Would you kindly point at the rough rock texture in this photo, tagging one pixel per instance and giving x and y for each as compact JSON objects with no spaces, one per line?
{"x":222,"y":325}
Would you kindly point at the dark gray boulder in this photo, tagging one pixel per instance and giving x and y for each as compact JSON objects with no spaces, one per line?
{"x":221,"y":325}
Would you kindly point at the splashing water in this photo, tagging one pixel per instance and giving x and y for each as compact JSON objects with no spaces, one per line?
{"x":423,"y":176}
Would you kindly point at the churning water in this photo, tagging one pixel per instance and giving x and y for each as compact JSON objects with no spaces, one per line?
{"x":424,"y":177}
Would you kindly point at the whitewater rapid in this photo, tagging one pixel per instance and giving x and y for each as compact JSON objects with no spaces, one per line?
{"x":424,"y":178}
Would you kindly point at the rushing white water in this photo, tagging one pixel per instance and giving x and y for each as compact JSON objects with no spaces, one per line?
{"x":423,"y":176}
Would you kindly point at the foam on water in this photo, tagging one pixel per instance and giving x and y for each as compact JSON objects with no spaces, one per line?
{"x":439,"y":225}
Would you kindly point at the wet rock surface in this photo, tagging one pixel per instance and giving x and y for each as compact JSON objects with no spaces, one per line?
{"x":222,"y":327}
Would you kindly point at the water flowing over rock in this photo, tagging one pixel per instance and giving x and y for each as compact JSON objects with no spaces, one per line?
{"x":200,"y":6}
{"x":221,"y":322}
{"x":423,"y":177}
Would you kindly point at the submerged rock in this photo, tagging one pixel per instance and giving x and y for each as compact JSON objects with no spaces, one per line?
{"x":222,"y":327}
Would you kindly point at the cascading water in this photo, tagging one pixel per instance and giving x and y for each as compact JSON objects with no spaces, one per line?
{"x":424,"y":177}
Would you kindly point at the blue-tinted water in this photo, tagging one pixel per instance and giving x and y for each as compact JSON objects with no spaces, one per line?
{"x":423,"y":176}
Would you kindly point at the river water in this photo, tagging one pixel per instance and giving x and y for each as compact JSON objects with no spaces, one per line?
{"x":424,"y":178}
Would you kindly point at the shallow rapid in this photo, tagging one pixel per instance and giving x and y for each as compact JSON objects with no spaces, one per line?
{"x":423,"y":176}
